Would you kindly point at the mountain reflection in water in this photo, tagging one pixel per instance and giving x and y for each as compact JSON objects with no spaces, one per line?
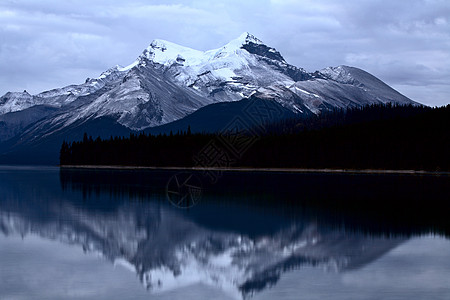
{"x":241,"y":237}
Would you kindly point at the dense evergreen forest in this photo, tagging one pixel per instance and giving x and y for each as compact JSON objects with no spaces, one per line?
{"x":371,"y":137}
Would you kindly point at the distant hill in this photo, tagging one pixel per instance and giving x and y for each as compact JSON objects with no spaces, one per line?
{"x":217,"y":117}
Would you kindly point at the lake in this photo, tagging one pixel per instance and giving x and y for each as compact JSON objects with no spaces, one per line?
{"x":168,"y":234}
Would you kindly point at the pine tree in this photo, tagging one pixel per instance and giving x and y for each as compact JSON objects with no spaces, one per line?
{"x":64,"y":153}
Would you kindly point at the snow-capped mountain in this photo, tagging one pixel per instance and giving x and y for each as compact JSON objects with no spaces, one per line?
{"x":168,"y":82}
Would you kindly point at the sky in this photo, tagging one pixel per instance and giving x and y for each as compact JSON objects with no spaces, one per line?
{"x":406,"y":43}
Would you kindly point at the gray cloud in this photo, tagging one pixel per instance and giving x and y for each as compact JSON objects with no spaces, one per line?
{"x":46,"y":44}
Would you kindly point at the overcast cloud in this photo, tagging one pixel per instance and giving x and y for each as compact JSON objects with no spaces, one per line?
{"x":406,"y":43}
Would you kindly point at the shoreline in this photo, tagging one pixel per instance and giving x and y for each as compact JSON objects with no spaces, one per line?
{"x":262,"y":170}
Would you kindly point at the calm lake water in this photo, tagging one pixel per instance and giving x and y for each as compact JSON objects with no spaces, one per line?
{"x":114,"y":234}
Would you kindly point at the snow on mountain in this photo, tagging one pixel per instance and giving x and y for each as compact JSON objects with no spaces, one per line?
{"x":167,"y":53}
{"x":15,"y":101}
{"x":345,"y":87}
{"x":12,"y":102}
{"x":167,"y":82}
{"x":226,"y":74}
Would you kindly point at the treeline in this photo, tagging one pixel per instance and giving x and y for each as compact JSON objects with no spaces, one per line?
{"x":349,"y":116}
{"x":136,"y":150}
{"x":372,"y":137}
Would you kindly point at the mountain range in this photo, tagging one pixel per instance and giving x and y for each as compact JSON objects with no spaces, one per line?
{"x":166,"y":87}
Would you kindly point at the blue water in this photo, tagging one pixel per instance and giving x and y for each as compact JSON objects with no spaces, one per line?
{"x":114,"y":234}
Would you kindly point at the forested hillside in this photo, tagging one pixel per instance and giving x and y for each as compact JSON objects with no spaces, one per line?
{"x":373,"y":137}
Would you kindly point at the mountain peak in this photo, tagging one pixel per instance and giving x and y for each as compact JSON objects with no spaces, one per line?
{"x":243,"y":40}
{"x":166,"y":53}
{"x":15,"y":101}
{"x":247,"y":37}
{"x":345,"y":74}
{"x":162,"y":45}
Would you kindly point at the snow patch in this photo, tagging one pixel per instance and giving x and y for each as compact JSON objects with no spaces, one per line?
{"x":306,"y":92}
